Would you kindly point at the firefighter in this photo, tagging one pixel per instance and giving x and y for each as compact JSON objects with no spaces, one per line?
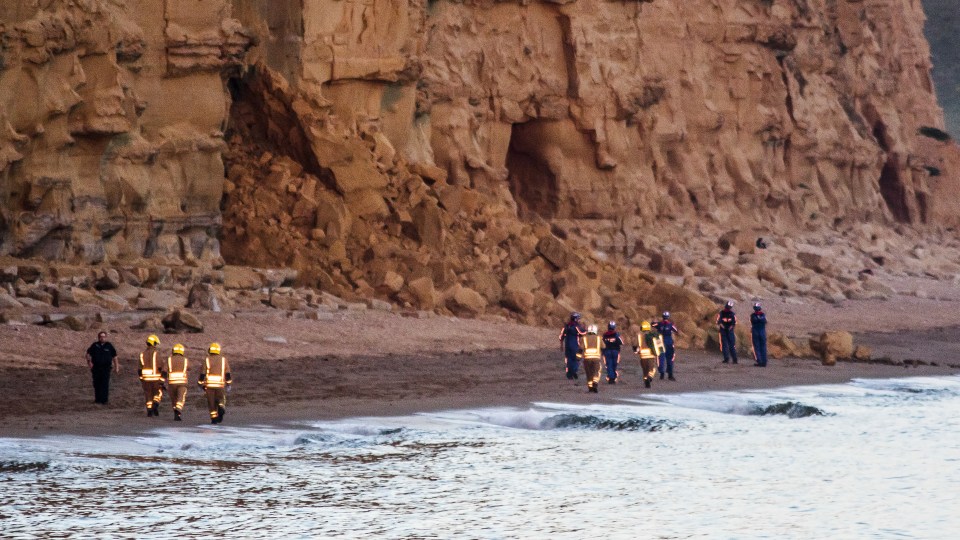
{"x":726,"y":326}
{"x":151,"y":376}
{"x":758,"y":331}
{"x":590,"y":345}
{"x":612,"y":342}
{"x":177,"y":380}
{"x":570,"y":343}
{"x":216,"y":380}
{"x":667,"y":329}
{"x":649,"y":347}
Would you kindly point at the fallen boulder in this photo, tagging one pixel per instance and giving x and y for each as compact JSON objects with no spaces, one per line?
{"x":832,"y":346}
{"x":180,"y":321}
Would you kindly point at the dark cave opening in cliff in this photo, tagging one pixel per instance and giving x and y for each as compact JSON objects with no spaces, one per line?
{"x":892,"y":190}
{"x":532,"y":182}
{"x":891,"y":182}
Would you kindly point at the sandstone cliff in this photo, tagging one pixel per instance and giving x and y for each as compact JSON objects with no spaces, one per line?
{"x":478,"y":157}
{"x":112,"y":117}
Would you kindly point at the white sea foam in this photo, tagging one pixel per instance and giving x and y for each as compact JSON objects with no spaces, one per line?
{"x":756,"y":464}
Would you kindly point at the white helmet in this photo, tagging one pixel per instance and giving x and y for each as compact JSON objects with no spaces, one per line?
{"x":592,"y":329}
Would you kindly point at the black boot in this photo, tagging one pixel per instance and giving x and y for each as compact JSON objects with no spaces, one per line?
{"x":150,"y":410}
{"x":220,"y":412}
{"x":176,"y":416}
{"x":647,"y":381}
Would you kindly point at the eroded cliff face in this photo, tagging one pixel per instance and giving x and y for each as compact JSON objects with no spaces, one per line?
{"x":112,"y":116}
{"x":474,"y":157}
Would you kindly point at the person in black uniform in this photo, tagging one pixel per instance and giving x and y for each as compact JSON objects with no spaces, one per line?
{"x":612,"y":342}
{"x":101,"y":359}
{"x":726,"y":325}
{"x":667,"y":329}
{"x":570,"y":343}
{"x":758,"y":331}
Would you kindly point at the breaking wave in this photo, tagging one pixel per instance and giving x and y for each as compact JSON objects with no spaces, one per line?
{"x":586,"y":421}
{"x":791,"y":409}
{"x":23,"y":466}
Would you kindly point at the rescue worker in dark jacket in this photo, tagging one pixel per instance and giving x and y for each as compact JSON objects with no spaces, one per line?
{"x":570,"y":342}
{"x":216,"y":380}
{"x":591,"y":350}
{"x":101,"y":359}
{"x":151,"y":376}
{"x":758,"y":331}
{"x":612,"y":342}
{"x":177,"y":380}
{"x":726,"y":325}
{"x":667,"y":329}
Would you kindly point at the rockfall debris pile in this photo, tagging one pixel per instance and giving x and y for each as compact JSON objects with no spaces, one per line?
{"x":403,"y":234}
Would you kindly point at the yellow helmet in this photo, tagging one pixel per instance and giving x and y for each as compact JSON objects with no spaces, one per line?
{"x":153,"y":340}
{"x":214,"y":348}
{"x":178,"y":349}
{"x":645,"y":326}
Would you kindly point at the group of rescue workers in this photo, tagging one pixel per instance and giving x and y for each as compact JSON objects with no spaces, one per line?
{"x":654,"y":346}
{"x":171,"y":377}
{"x":159,"y":376}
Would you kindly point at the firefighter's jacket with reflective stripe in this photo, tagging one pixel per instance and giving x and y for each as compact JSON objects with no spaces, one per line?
{"x":216,"y":371}
{"x":149,"y":370}
{"x":590,"y":345}
{"x":177,"y":369}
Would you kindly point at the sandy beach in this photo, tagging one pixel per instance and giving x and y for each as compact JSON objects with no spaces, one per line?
{"x":368,"y":363}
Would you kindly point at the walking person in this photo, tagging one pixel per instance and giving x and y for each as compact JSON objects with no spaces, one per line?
{"x":216,"y":380}
{"x":151,"y":376}
{"x":612,"y":342}
{"x":649,"y":349}
{"x":726,"y":326}
{"x":177,"y":380}
{"x":570,"y":343}
{"x":667,"y":329}
{"x":591,"y":347}
{"x":758,"y":331}
{"x":102,"y":359}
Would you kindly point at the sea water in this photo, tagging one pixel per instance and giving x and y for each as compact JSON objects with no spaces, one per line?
{"x":868,"y":459}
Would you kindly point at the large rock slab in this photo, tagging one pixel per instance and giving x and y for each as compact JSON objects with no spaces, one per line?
{"x":154,"y":300}
{"x":181,"y":321}
{"x":833,"y":346}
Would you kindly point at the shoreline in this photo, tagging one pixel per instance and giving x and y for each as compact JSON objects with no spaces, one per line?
{"x":352,"y":392}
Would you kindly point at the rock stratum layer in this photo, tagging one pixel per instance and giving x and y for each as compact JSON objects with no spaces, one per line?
{"x":475,"y":157}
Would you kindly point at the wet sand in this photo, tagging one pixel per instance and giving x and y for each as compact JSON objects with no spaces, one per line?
{"x":379,"y":364}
